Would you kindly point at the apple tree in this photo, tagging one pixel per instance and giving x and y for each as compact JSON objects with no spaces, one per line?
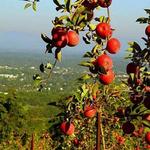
{"x":92,"y":117}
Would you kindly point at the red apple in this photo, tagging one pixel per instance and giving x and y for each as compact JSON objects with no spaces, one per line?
{"x":138,"y":81}
{"x":90,"y":4}
{"x":147,"y":88}
{"x":147,"y":31}
{"x":146,"y":117}
{"x":94,"y":97}
{"x":128,"y":127}
{"x":120,"y":139}
{"x":141,"y":130}
{"x":104,"y":61}
{"x":137,"y":148}
{"x":147,"y":137}
{"x":76,"y":142}
{"x":113,"y":46}
{"x":89,"y":111}
{"x":104,"y":3}
{"x":67,"y":128}
{"x":135,"y":133}
{"x":59,"y":37}
{"x":73,"y":38}
{"x":107,"y":78}
{"x":147,"y":147}
{"x":103,"y":30}
{"x":131,"y":68}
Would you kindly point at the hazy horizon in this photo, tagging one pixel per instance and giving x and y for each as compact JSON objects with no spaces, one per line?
{"x":20,"y":29}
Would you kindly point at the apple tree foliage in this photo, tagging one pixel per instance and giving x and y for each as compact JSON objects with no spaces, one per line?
{"x":12,"y":119}
{"x":121,"y":117}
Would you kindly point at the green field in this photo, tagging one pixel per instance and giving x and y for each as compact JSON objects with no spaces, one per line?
{"x":63,"y":82}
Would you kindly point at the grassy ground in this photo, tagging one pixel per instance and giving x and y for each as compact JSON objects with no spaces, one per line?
{"x":37,"y":109}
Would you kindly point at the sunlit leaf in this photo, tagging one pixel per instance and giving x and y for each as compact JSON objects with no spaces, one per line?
{"x":48,"y":66}
{"x":86,"y":64}
{"x":92,"y":27}
{"x":34,"y":5}
{"x":58,"y":54}
{"x":85,"y":77}
{"x":102,"y":19}
{"x":27,"y":5}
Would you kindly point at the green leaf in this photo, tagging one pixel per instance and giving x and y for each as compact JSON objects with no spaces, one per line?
{"x":102,"y":70}
{"x":94,"y":50}
{"x":132,"y":76}
{"x":147,"y":11}
{"x":36,"y":77}
{"x":146,"y":40}
{"x":86,"y":64}
{"x":58,"y":54}
{"x":82,"y":25}
{"x":144,"y":53}
{"x":130,"y":43}
{"x":27,"y":5}
{"x":45,"y":38}
{"x":88,"y":54}
{"x":92,"y":27}
{"x":86,"y":40}
{"x":48,"y":66}
{"x":34,"y":5}
{"x":83,"y":94}
{"x":88,"y":35}
{"x":37,"y":80}
{"x":76,"y":16}
{"x":42,"y":68}
{"x":136,"y":46}
{"x":102,"y":19}
{"x":68,"y":4}
{"x":146,"y":123}
{"x":64,"y":17}
{"x":57,"y":3}
{"x":95,"y":88}
{"x":77,"y":96}
{"x":85,"y":77}
{"x":130,"y":49}
{"x":84,"y":89}
{"x":142,"y":20}
{"x":49,"y":48}
{"x":80,"y":20}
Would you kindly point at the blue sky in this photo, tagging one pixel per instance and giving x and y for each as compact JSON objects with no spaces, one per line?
{"x":20,"y":29}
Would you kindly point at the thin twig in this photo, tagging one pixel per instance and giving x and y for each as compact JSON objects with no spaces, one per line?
{"x":50,"y":73}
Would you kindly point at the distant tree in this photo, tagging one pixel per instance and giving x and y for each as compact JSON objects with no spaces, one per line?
{"x":12,"y":117}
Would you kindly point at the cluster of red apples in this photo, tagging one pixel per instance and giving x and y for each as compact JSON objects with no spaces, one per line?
{"x":103,"y":31}
{"x":61,"y":37}
{"x":68,"y":128}
{"x":136,"y":81}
